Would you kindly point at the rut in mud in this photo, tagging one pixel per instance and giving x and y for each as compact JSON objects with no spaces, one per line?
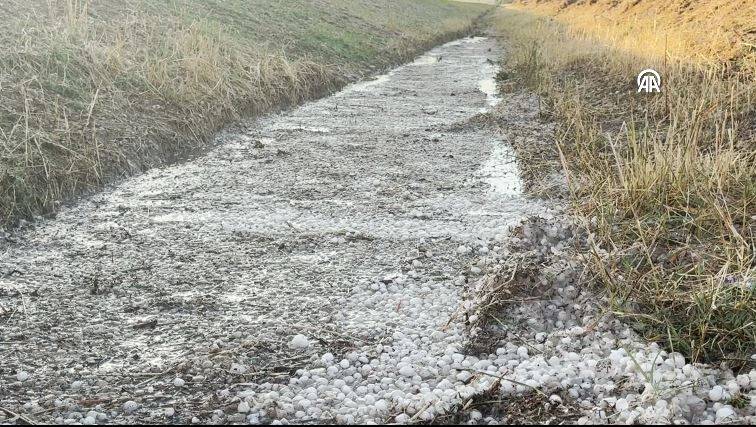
{"x":341,"y":220}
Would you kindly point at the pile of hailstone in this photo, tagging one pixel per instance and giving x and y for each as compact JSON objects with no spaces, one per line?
{"x":560,"y":343}
{"x":574,"y":346}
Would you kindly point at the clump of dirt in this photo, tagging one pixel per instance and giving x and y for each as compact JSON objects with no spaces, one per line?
{"x":538,"y":251}
{"x":529,"y":409}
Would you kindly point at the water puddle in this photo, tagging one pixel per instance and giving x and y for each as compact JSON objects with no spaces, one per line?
{"x":488,"y":86}
{"x":294,"y":128}
{"x":427,"y":59}
{"x":467,"y":40}
{"x":366,"y":86}
{"x":500,"y":171}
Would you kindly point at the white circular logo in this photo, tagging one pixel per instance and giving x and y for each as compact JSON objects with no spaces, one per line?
{"x":649,"y":81}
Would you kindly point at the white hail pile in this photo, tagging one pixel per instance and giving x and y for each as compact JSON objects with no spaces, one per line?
{"x":569,"y":347}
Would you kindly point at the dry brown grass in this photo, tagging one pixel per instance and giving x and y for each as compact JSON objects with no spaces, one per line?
{"x":94,"y":90}
{"x":707,"y":32}
{"x":666,"y":182}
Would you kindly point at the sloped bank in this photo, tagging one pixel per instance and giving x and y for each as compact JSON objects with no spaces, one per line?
{"x":563,"y":357}
{"x":665,"y":181}
{"x":633,"y":260}
{"x":94,"y":91}
{"x":560,"y":352}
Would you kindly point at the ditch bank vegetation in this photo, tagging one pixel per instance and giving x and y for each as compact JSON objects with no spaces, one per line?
{"x":91,"y":91}
{"x":666,"y":183}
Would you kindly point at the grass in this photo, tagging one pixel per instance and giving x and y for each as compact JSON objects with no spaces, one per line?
{"x":665,"y":182}
{"x":94,"y":90}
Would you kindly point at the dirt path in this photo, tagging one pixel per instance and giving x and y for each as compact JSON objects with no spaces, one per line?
{"x":341,"y":221}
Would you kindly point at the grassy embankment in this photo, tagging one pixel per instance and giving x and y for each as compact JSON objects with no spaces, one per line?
{"x":94,"y":90}
{"x":667,"y":182}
